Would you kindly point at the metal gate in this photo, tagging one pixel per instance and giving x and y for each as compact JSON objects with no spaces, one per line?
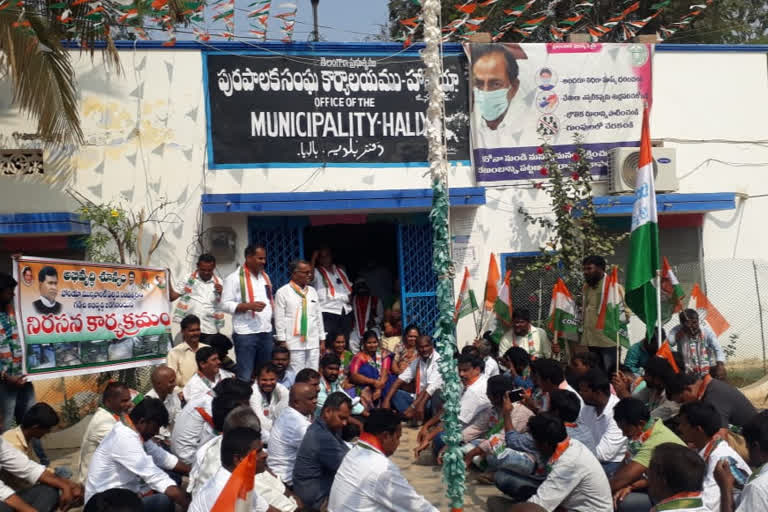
{"x":283,"y":237}
{"x":418,"y":282}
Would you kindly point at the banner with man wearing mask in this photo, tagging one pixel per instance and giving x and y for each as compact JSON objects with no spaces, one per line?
{"x":524,"y":95}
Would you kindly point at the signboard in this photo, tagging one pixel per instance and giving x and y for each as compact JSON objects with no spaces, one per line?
{"x":267,"y":110}
{"x":524,"y":95}
{"x":77,"y":317}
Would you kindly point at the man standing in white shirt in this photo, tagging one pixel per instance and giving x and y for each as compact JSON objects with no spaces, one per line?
{"x":367,"y":481}
{"x":248,"y":297}
{"x":289,"y":429}
{"x":181,"y":358}
{"x":428,"y":382}
{"x":268,"y":399}
{"x":523,"y":334}
{"x":298,"y":318}
{"x":209,"y":373}
{"x":699,"y":426}
{"x":128,"y":458}
{"x":754,"y":497}
{"x":115,"y":401}
{"x":201,"y":296}
{"x":235,"y":446}
{"x":334,"y":290}
{"x":163,"y":381}
{"x":597,"y":416}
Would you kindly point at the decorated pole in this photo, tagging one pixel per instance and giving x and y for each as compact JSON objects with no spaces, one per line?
{"x":453,"y":459}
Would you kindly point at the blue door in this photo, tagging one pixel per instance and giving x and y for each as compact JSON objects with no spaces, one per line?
{"x":417,"y":278}
{"x":283,"y":237}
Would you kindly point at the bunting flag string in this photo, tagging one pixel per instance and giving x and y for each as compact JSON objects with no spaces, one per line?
{"x":258,"y":15}
{"x":289,"y":21}
{"x":685,"y":20}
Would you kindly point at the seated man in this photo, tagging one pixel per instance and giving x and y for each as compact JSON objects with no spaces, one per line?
{"x":128,"y":458}
{"x":367,"y":479}
{"x":281,"y":358}
{"x":474,"y":408}
{"x":658,"y":372}
{"x":644,"y":433}
{"x":330,"y":370}
{"x":114,"y":500}
{"x":209,"y":373}
{"x":484,"y":349}
{"x":309,"y":376}
{"x":424,"y":370}
{"x":269,"y":398}
{"x":581,"y":363}
{"x":697,"y":343}
{"x":641,"y":352}
{"x":115,"y":401}
{"x":730,"y":403}
{"x":574,"y":480}
{"x":755,"y":494}
{"x":289,"y":429}
{"x":163,"y":381}
{"x":547,"y":376}
{"x":208,"y":457}
{"x":36,"y":423}
{"x":223,"y":345}
{"x":181,"y":358}
{"x":321,"y":453}
{"x":675,"y":479}
{"x":236,"y":445}
{"x":518,"y":363}
{"x":700,"y":427}
{"x":597,"y":416}
{"x":194,"y":425}
{"x":525,"y":335}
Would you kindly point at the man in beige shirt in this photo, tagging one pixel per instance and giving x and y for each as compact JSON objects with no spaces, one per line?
{"x":181,"y":358}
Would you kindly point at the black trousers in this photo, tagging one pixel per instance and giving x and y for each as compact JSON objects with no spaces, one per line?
{"x":337,"y":324}
{"x":40,"y":497}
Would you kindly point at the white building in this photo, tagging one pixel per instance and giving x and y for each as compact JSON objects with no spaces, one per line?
{"x":146,"y":140}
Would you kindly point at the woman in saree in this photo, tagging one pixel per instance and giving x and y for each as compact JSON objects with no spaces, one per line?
{"x":370,"y":370}
{"x":405,"y":351}
{"x":338,"y":344}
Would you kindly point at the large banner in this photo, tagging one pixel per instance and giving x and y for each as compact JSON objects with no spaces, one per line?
{"x":308,"y":110}
{"x":77,"y":317}
{"x":526,"y":94}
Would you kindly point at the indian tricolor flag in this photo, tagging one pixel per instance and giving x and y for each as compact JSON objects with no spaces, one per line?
{"x":238,"y":493}
{"x":503,"y":305}
{"x":644,"y":239}
{"x":609,"y":317}
{"x":466,"y":303}
{"x":562,"y":310}
{"x":671,"y":292}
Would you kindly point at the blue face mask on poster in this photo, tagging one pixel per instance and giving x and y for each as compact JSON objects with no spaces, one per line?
{"x":491,"y":104}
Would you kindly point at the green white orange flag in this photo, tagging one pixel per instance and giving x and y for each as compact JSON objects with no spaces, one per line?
{"x":671,"y":292}
{"x":492,"y":283}
{"x":562,"y":310}
{"x":609,"y":317}
{"x":503,"y":305}
{"x":644,"y":239}
{"x":466,"y":303}
{"x":708,"y":313}
{"x":236,"y":496}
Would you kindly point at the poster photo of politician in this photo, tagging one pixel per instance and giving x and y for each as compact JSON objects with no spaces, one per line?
{"x":48,"y":281}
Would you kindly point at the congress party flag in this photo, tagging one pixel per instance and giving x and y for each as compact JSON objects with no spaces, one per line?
{"x":665,"y":351}
{"x":236,"y":496}
{"x":609,"y":318}
{"x":503,"y":305}
{"x":671,"y":292}
{"x":708,"y":313}
{"x":644,"y":239}
{"x":492,"y":283}
{"x":562,"y":310}
{"x":466,"y":303}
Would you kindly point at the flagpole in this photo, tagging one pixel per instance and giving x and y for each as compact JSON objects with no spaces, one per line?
{"x":618,"y":352}
{"x":659,"y":341}
{"x":474,"y":319}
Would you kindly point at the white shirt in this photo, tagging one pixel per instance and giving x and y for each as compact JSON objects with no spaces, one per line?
{"x":123,"y":460}
{"x":367,"y":481}
{"x":475,"y":406}
{"x":538,"y":337}
{"x":429,"y":374}
{"x":247,"y":322}
{"x":100,"y":425}
{"x":611,"y":445}
{"x":577,"y":482}
{"x":19,"y":465}
{"x":268,"y":410}
{"x":172,"y":404}
{"x":288,"y":306}
{"x":338,"y":302}
{"x":711,"y":491}
{"x":370,"y":313}
{"x":199,"y":385}
{"x":208,"y":462}
{"x":204,"y":500}
{"x":191,"y":429}
{"x":284,"y":441}
{"x":203,"y":302}
{"x":754,"y":497}
{"x":491,"y":367}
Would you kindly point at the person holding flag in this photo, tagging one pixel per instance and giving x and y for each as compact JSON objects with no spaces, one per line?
{"x":562,"y":313}
{"x":595,"y":336}
{"x":671,"y":292}
{"x":697,"y":343}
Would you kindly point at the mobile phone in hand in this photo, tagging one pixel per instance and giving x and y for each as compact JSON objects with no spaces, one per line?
{"x":515,"y":395}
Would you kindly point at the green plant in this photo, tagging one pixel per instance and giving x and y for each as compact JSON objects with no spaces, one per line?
{"x":69,"y":411}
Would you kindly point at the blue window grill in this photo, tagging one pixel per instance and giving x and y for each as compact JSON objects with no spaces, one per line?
{"x":284,"y":240}
{"x":417,"y":278}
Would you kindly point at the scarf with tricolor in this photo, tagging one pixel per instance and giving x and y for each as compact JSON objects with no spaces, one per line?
{"x":370,"y":442}
{"x":365,"y":308}
{"x":328,"y":282}
{"x":10,"y":347}
{"x":182,"y":306}
{"x":636,"y":444}
{"x":560,"y":449}
{"x":718,"y":438}
{"x":246,"y":286}
{"x":301,"y":324}
{"x":681,"y":501}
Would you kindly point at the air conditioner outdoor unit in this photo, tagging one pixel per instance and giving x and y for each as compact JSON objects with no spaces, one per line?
{"x":622,"y":169}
